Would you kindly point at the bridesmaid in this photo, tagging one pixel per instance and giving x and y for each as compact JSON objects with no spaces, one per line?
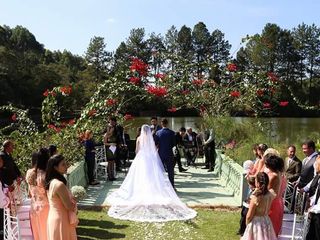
{"x":59,"y":223}
{"x":259,"y":160}
{"x":277,"y":184}
{"x":31,"y":179}
{"x":41,"y":199}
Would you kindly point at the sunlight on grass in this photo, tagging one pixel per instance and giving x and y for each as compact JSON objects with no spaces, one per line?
{"x":209,"y":224}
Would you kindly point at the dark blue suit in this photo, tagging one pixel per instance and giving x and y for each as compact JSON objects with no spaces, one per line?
{"x":166,"y":141}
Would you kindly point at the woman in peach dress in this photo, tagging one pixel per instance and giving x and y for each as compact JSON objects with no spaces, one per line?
{"x":35,"y":178}
{"x":61,"y":224}
{"x":277,"y":183}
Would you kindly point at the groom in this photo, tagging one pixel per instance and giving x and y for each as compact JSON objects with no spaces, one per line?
{"x":166,"y":141}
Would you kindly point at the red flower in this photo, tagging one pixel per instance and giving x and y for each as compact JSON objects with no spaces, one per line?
{"x":127,"y":117}
{"x":172,"y":109}
{"x":139,"y":66}
{"x":283,"y":103}
{"x":198,"y":82}
{"x":53,"y":127}
{"x":260,"y":92}
{"x":160,"y":76}
{"x":157,"y":91}
{"x":235,"y":94}
{"x":266,"y":105}
{"x":202,"y":109}
{"x":232,"y":67}
{"x":57,"y":129}
{"x":14,"y":117}
{"x":111,"y":102}
{"x":272,"y":77}
{"x":135,"y":80}
{"x":185,"y":92}
{"x":92,"y":112}
{"x":72,"y":122}
{"x":46,"y":93}
{"x":273,"y":90}
{"x":66,"y":90}
{"x":63,"y":124}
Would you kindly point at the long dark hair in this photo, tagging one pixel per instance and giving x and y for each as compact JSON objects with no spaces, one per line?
{"x":274,"y":163}
{"x":263,"y":180}
{"x":43,"y":157}
{"x":52,"y":149}
{"x":52,"y":173}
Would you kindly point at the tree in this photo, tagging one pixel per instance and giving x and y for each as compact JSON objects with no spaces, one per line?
{"x":307,"y":45}
{"x":137,"y":45}
{"x":97,"y":57}
{"x":201,"y":43}
{"x":220,"y":53}
{"x":184,"y":40}
{"x":156,"y":47}
{"x":171,"y":45}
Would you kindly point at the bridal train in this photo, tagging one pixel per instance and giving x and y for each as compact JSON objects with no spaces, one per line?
{"x":146,"y":194}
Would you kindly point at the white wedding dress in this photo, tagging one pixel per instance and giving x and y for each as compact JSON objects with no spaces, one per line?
{"x":146,"y":194}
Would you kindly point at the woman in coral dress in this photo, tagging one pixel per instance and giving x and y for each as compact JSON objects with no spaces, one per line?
{"x":60,"y":223}
{"x":259,"y":226}
{"x":39,"y":200}
{"x":277,"y":183}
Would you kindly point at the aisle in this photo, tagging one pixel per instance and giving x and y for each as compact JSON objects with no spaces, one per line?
{"x":196,"y":187}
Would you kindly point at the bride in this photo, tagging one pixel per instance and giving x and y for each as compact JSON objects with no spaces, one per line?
{"x":146,"y":194}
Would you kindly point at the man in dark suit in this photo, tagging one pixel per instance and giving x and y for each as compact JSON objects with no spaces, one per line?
{"x":307,"y":171}
{"x":10,"y":171}
{"x":166,"y":141}
{"x":209,"y":150}
{"x":294,"y":165}
{"x":314,"y":211}
{"x":154,"y":125}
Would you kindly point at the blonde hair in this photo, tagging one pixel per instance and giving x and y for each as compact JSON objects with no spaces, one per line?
{"x":271,"y":151}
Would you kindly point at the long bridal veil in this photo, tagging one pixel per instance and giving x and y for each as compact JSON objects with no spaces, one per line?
{"x":146,"y":194}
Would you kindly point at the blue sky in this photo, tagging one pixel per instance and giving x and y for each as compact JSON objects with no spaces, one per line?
{"x":69,"y":24}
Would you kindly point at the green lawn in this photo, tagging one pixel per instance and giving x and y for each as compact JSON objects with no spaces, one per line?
{"x":209,"y":224}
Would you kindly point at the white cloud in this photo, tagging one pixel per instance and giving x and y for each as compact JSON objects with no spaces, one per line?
{"x":111,"y":20}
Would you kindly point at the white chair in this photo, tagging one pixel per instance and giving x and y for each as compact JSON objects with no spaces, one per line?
{"x":101,"y":163}
{"x":17,"y":216}
{"x":295,"y":225}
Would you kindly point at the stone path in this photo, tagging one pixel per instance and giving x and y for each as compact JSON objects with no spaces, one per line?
{"x":196,"y":188}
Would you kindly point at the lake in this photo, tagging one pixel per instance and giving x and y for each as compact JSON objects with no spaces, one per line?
{"x":286,"y":130}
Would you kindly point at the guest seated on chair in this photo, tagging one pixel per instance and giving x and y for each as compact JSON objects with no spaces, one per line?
{"x":190,"y":146}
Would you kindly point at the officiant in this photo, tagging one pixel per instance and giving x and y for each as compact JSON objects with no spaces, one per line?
{"x":113,"y":140}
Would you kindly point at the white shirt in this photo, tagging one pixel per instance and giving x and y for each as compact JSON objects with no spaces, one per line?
{"x":315,"y":208}
{"x":307,"y":159}
{"x":211,"y":137}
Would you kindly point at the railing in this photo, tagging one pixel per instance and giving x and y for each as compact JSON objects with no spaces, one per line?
{"x":232,"y":176}
{"x":76,"y":175}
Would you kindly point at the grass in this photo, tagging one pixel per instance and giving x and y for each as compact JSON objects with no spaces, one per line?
{"x":209,"y":224}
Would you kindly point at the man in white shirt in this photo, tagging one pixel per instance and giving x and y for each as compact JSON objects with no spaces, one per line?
{"x":314,"y":211}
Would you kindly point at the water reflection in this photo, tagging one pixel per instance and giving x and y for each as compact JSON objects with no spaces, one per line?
{"x":286,"y":130}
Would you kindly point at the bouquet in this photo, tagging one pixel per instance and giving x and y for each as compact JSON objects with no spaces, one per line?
{"x":78,"y":192}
